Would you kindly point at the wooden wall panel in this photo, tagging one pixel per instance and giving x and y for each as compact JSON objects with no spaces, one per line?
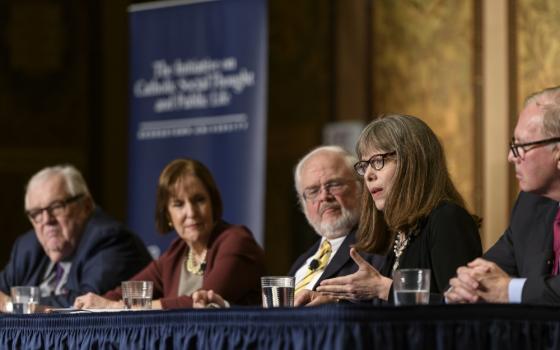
{"x":423,"y":64}
{"x":352,"y":84}
{"x":44,"y":97}
{"x":538,"y":48}
{"x":495,"y":122}
{"x":300,"y":61}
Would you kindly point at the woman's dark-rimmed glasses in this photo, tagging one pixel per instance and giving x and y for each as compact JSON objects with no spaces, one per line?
{"x":377,"y":162}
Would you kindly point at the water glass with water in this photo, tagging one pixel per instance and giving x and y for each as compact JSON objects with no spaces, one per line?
{"x":277,"y":291}
{"x":24,"y":299}
{"x":137,"y":295}
{"x":411,"y":286}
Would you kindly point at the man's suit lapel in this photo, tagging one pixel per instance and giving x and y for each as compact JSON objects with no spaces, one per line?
{"x":339,"y":260}
{"x":34,"y":257}
{"x":302,"y":258}
{"x":543,"y":227}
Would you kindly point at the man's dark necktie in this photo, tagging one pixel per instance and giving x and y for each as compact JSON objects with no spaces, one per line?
{"x":556,"y":231}
{"x":56,"y":276}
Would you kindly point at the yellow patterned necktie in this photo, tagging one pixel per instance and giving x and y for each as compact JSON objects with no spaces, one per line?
{"x":316,"y":266}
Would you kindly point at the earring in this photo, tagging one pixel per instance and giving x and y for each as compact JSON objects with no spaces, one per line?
{"x":170,"y":224}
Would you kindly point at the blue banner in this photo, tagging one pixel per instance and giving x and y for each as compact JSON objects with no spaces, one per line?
{"x":198,"y":89}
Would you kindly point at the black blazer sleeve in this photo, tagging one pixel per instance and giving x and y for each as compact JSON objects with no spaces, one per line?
{"x":453,"y":241}
{"x":448,"y":238}
{"x":525,"y":248}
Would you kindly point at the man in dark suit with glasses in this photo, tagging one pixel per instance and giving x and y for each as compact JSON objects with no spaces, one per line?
{"x":329,"y":193}
{"x":523,"y":265}
{"x":74,"y":247}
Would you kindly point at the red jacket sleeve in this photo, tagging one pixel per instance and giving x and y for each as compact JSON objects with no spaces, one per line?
{"x":153,"y":272}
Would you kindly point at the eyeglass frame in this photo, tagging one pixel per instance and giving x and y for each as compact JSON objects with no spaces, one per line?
{"x":514,"y":147}
{"x":370,"y":162}
{"x":339,"y":186}
{"x":35,"y":215}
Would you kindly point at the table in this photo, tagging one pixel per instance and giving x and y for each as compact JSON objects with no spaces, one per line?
{"x":482,"y":326}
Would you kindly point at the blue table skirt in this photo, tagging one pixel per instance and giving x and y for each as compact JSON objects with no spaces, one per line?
{"x":327,"y":327}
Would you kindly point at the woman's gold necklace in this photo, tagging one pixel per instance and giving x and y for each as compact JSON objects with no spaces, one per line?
{"x":194,"y":268}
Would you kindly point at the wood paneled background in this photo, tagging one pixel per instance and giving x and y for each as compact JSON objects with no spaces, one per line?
{"x":63,"y":91}
{"x":423,"y":64}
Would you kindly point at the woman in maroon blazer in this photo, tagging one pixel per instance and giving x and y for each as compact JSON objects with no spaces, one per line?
{"x":209,"y":253}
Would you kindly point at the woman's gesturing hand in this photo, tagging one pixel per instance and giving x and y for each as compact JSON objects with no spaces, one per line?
{"x":366,"y":283}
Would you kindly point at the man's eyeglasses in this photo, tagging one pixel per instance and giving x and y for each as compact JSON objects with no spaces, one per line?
{"x":519,"y":149}
{"x":334,"y":187}
{"x":377,"y":162}
{"x":56,"y":208}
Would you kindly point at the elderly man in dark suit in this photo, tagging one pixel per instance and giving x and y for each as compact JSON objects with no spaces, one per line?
{"x":329,"y":194}
{"x":74,"y":247}
{"x":523,"y":265}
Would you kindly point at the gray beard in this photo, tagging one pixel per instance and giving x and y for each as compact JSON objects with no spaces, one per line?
{"x":340,"y":227}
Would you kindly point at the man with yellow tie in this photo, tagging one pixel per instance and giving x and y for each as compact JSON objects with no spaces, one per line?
{"x":329,"y":194}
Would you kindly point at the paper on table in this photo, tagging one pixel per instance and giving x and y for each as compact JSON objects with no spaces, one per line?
{"x":73,"y":310}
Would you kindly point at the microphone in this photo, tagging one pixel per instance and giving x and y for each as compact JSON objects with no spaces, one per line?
{"x":549,"y":255}
{"x":550,"y":260}
{"x":313,"y":264}
{"x":203,"y":266}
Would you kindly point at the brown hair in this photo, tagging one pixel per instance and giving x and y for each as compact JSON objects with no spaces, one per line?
{"x":172,"y":174}
{"x":420,"y":183}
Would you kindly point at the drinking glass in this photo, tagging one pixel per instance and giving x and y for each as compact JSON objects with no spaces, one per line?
{"x":277,"y":291}
{"x":137,"y":295}
{"x":24,"y":299}
{"x":411,"y":286}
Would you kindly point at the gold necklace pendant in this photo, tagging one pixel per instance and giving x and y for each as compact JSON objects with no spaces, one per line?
{"x":194,"y":268}
{"x":401,"y":241}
